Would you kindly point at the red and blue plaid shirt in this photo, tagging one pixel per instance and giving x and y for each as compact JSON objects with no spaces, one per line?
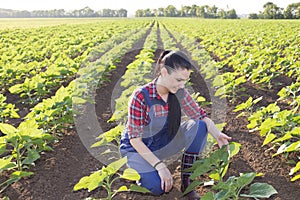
{"x":138,"y":113}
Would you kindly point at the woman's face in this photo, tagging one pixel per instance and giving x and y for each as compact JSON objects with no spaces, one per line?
{"x":176,"y":79}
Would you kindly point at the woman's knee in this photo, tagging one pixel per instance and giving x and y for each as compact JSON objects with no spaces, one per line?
{"x":202,"y":128}
{"x":152,"y":182}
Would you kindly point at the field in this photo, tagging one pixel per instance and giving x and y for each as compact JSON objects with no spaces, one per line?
{"x":64,"y":82}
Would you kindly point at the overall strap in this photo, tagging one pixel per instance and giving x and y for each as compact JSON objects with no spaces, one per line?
{"x":146,"y":96}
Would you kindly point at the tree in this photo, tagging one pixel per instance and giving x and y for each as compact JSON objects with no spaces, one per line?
{"x":122,"y":13}
{"x":212,"y":12}
{"x":272,"y":11}
{"x":155,"y":12}
{"x":161,"y":12}
{"x":87,"y":12}
{"x":107,"y":12}
{"x":231,"y":14}
{"x":201,"y":11}
{"x":194,"y":10}
{"x":185,"y":11}
{"x":147,"y":13}
{"x":292,"y":11}
{"x":23,"y":13}
{"x":253,"y":16}
{"x":222,"y":14}
{"x":139,"y":13}
{"x":171,"y":11}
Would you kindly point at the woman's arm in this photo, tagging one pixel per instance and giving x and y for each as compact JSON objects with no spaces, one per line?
{"x":221,"y":138}
{"x":144,"y":151}
{"x":194,"y":111}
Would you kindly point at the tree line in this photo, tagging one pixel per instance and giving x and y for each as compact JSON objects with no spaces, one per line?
{"x":85,"y":12}
{"x":188,"y":11}
{"x":272,"y":11}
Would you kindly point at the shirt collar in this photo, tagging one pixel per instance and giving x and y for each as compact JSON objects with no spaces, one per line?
{"x":152,"y":87}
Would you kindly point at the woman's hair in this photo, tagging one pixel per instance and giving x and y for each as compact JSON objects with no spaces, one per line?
{"x":173,"y":60}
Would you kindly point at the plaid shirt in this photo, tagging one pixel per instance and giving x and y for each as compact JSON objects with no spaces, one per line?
{"x":138,"y":113}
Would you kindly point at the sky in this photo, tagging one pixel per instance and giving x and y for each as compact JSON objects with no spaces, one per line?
{"x":240,"y":6}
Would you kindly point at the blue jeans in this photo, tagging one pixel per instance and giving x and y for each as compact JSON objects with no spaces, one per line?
{"x":150,"y":178}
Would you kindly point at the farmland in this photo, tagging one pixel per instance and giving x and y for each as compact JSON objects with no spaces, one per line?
{"x":64,"y":82}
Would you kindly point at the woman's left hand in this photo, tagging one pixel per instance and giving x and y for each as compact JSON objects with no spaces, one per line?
{"x":223,"y":139}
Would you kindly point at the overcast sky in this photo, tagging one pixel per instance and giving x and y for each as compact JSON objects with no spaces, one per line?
{"x":241,"y":7}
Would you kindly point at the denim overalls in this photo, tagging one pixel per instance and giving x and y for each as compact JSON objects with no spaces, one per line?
{"x":192,"y":137}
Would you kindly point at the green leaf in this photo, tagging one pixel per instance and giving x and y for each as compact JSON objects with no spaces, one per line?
{"x":215,"y":176}
{"x":90,"y":182}
{"x":272,"y":108}
{"x":281,"y":149}
{"x":32,"y":155}
{"x":260,"y":190}
{"x":252,"y":124}
{"x":245,"y":179}
{"x":201,"y":99}
{"x":295,"y":131}
{"x":257,"y":100}
{"x":295,"y":169}
{"x":208,"y":196}
{"x":131,"y":174}
{"x":113,"y":167}
{"x":269,"y":138}
{"x":287,"y":136}
{"x":218,"y":81}
{"x":122,"y":189}
{"x":224,"y":194}
{"x":234,"y":148}
{"x":199,"y":168}
{"x":20,"y":174}
{"x":192,"y":186}
{"x":28,"y":125}
{"x":220,"y":91}
{"x":243,"y":106}
{"x":109,"y":136}
{"x":295,"y":146}
{"x":225,"y":170}
{"x":221,"y":126}
{"x":2,"y":145}
{"x":78,"y":100}
{"x":136,"y":188}
{"x":14,"y":114}
{"x":296,"y":177}
{"x":16,"y":89}
{"x":6,"y":164}
{"x":100,"y":143}
{"x":267,"y":126}
{"x":7,"y":129}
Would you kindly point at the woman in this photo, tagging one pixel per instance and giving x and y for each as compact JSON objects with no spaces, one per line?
{"x":154,"y":130}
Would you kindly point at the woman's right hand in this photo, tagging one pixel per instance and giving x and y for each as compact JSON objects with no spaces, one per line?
{"x":166,"y":179}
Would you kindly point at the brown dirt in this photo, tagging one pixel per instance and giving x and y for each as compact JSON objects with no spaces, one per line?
{"x":58,"y":171}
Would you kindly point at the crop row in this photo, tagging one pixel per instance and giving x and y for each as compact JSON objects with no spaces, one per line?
{"x":35,"y":78}
{"x":137,"y":74}
{"x":243,"y":54}
{"x":21,"y":146}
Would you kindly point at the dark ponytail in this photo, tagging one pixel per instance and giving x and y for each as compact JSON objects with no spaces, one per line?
{"x":159,"y":63}
{"x":174,"y":115}
{"x":173,"y":60}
